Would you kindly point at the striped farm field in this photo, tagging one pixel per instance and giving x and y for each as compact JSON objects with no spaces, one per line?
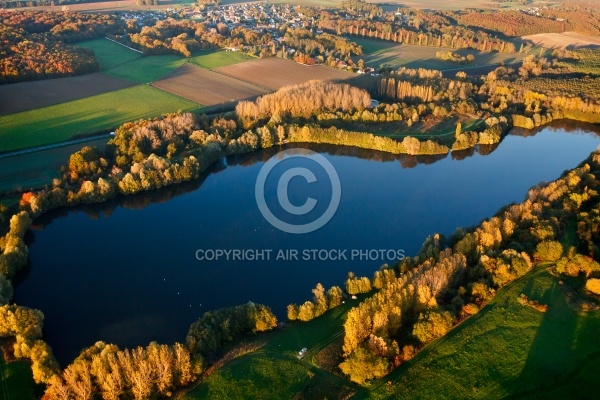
{"x":274,"y":73}
{"x":24,"y":96}
{"x":206,"y":87}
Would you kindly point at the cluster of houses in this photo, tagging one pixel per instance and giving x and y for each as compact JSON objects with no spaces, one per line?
{"x":144,"y":17}
{"x":258,"y":16}
{"x":532,"y":11}
{"x":536,"y":11}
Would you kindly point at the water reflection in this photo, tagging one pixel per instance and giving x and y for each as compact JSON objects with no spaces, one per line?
{"x":125,"y":272}
{"x":144,"y":199}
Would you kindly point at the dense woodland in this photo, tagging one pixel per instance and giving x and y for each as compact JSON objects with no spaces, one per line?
{"x":416,"y":27}
{"x":303,"y":101}
{"x":104,"y":371}
{"x":41,"y":3}
{"x":454,"y":37}
{"x":39,"y":45}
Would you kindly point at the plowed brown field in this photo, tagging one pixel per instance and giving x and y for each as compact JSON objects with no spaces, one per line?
{"x":206,"y":87}
{"x":24,"y":96}
{"x":274,"y":73}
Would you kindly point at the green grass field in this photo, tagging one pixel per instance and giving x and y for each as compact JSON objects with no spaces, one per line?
{"x":34,"y":170}
{"x":106,"y":111}
{"x":372,"y":46}
{"x":86,"y":116}
{"x":274,"y":371}
{"x":16,"y":381}
{"x":211,"y":59}
{"x":441,"y":130}
{"x":147,"y":69}
{"x":506,"y":350}
{"x":109,"y":54}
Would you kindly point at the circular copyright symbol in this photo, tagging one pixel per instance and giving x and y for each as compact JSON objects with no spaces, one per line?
{"x":282,"y":191}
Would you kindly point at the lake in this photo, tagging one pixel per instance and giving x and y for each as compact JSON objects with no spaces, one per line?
{"x":128,"y":271}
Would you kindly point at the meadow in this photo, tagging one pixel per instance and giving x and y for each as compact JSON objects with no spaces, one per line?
{"x":211,"y":59}
{"x":120,"y":62}
{"x":23,"y":96}
{"x":563,"y":40}
{"x":51,"y":111}
{"x":147,"y":69}
{"x":86,"y":116}
{"x":442,"y":130}
{"x":108,"y":53}
{"x":34,"y":170}
{"x":506,"y":350}
{"x":275,"y":370}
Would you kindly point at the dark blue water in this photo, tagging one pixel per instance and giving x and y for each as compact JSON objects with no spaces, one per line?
{"x":126,"y":272}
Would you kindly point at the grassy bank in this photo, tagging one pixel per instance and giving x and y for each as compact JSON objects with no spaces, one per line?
{"x":17,"y":381}
{"x":506,"y":350}
{"x":274,"y":371}
{"x":34,"y":170}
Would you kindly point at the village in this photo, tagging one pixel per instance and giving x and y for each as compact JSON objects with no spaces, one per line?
{"x":262,"y":18}
{"x":259,"y":17}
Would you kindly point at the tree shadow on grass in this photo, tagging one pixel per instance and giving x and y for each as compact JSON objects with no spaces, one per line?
{"x":560,"y":349}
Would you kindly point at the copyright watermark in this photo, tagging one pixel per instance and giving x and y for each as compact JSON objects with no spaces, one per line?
{"x":382,"y":255}
{"x":283,"y":199}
